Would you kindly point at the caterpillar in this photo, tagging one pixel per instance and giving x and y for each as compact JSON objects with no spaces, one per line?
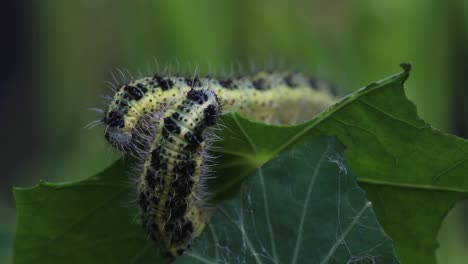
{"x":171,"y":210}
{"x":166,"y":120}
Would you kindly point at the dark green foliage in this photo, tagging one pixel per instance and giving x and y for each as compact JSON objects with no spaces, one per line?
{"x":412,"y":173}
{"x":301,"y":207}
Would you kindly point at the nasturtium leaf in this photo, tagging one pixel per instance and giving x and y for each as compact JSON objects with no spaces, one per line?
{"x":302,"y":207}
{"x":305,"y":204}
{"x":412,"y":173}
{"x":90,"y":221}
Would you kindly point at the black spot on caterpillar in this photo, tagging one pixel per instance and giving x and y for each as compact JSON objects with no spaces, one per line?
{"x":164,"y":121}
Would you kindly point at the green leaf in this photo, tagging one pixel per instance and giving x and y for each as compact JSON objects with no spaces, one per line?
{"x":413,"y":173}
{"x":302,"y":207}
{"x":90,"y":221}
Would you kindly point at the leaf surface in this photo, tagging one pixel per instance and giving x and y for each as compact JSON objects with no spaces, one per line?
{"x":90,"y":221}
{"x":302,"y":207}
{"x":413,"y":173}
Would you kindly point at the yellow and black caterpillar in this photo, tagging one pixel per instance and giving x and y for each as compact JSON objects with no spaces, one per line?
{"x":164,"y":121}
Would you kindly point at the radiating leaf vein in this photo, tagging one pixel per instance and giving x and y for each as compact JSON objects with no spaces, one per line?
{"x":306,"y":204}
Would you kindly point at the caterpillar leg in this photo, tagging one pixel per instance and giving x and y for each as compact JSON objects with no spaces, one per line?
{"x":170,"y":189}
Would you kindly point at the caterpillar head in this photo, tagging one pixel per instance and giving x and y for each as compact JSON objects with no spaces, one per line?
{"x":127,"y":120}
{"x":129,"y":137}
{"x":117,"y":132}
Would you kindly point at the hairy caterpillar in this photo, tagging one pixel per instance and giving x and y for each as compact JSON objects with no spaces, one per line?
{"x":163,"y":120}
{"x":171,"y":210}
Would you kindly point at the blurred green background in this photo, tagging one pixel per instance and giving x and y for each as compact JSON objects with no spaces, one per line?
{"x":58,"y":54}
